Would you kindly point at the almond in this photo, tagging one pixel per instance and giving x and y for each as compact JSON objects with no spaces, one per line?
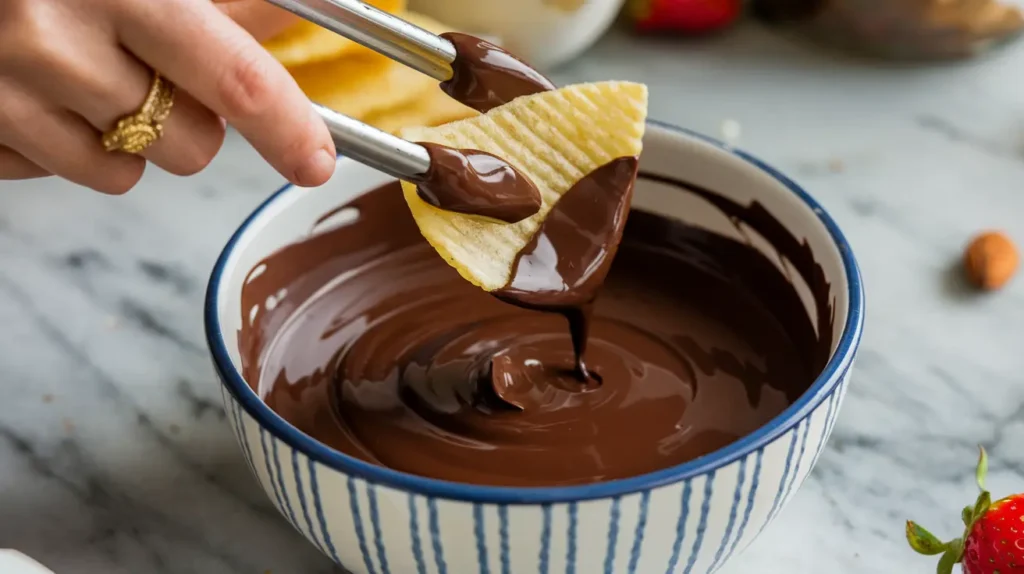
{"x":990,"y":260}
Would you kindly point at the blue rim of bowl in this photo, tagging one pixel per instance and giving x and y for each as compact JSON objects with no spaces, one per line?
{"x":822,"y":388}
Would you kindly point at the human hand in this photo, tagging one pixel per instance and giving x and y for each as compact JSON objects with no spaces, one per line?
{"x":70,"y":69}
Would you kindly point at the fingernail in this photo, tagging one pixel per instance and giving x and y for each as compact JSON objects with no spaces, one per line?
{"x":316,"y":169}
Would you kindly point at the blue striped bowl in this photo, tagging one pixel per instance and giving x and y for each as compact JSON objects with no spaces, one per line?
{"x":689,"y":519}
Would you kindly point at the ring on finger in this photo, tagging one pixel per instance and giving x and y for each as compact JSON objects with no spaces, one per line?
{"x":137,"y":131}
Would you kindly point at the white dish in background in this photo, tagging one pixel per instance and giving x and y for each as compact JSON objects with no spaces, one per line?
{"x":544,"y":33}
{"x":14,"y":562}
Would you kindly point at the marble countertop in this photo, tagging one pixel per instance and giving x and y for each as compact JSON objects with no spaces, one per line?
{"x":115,"y":457}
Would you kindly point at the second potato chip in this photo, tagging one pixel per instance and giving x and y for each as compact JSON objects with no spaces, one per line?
{"x":307,"y":43}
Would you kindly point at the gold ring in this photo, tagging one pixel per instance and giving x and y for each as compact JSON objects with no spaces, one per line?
{"x":136,"y":132}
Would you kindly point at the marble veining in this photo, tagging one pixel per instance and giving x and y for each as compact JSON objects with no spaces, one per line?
{"x":115,"y":456}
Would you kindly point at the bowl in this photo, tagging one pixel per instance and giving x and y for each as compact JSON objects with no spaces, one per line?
{"x":691,"y":518}
{"x":545,"y":33}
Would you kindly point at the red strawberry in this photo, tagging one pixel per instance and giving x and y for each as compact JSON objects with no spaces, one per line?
{"x":684,"y":15}
{"x":993,"y":539}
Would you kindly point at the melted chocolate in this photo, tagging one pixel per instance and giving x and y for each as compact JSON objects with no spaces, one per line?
{"x":485,"y":76}
{"x":797,"y":253}
{"x":365,"y":339}
{"x":565,"y":263}
{"x":478,"y":183}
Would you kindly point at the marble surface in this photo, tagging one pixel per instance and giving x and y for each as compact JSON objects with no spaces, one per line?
{"x":115,"y":457}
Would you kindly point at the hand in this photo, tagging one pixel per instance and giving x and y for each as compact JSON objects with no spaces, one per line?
{"x":69,"y":69}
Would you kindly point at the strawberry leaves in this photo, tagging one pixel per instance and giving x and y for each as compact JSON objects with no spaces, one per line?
{"x":982,"y":470}
{"x":947,"y":561}
{"x":922,"y":541}
{"x":984,"y":501}
{"x":981,"y":506}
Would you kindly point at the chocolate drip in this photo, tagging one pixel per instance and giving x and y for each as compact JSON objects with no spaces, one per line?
{"x":365,"y":339}
{"x":565,"y":263}
{"x":478,"y":183}
{"x":485,"y":76}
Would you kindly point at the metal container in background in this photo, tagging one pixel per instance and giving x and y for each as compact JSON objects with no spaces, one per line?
{"x":899,"y":29}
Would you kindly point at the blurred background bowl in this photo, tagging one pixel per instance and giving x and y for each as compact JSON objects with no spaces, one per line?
{"x":544,"y":33}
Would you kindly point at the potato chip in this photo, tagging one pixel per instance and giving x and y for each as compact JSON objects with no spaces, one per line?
{"x":307,"y":43}
{"x":360,"y":87}
{"x":367,"y":84}
{"x":568,"y":6}
{"x":431,"y":109}
{"x":554,"y":138}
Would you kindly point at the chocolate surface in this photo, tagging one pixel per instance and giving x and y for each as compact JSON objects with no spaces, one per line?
{"x":485,"y":76}
{"x":476,"y":182}
{"x":365,"y":339}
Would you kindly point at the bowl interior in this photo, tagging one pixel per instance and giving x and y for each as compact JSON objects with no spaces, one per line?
{"x":292,"y":214}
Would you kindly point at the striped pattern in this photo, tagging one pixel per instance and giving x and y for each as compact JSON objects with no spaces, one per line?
{"x":692,"y":527}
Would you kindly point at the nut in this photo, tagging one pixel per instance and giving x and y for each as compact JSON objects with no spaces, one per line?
{"x":990,"y":260}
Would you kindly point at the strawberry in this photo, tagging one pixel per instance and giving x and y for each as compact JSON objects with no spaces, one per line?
{"x":993,"y":539}
{"x":684,"y":15}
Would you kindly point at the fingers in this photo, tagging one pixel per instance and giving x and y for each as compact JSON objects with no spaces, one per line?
{"x":260,"y":18}
{"x":200,"y":49}
{"x":102,"y":83}
{"x":63,"y":144}
{"x":192,"y":137}
{"x":13,"y":165}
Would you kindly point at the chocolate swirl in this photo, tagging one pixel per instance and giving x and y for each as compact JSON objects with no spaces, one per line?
{"x":376,"y":347}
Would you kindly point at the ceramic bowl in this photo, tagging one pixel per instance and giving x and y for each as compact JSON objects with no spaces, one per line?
{"x":545,"y":33}
{"x":686,"y":519}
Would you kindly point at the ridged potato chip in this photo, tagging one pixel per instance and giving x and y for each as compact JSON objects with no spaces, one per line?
{"x":368,"y":84}
{"x":431,"y":109}
{"x":307,"y":43}
{"x":554,"y":138}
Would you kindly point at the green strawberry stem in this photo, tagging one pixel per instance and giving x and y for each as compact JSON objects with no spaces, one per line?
{"x":926,"y":543}
{"x":947,"y":561}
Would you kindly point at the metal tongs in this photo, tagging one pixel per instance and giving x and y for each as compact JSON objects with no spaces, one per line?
{"x":396,"y":39}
